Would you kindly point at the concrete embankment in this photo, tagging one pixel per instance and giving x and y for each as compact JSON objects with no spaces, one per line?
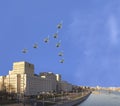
{"x":74,"y":101}
{"x":67,"y":100}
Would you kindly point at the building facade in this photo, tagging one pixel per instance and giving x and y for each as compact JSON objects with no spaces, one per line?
{"x":65,"y":86}
{"x":22,"y":80}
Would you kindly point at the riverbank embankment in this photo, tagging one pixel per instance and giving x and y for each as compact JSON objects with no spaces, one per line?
{"x":71,"y":99}
{"x":74,"y":99}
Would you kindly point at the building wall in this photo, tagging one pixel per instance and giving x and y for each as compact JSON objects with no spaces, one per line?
{"x":22,"y":68}
{"x":2,"y":87}
{"x":36,"y":84}
{"x":23,"y":80}
{"x":51,"y":81}
{"x":65,"y":86}
{"x":58,"y":77}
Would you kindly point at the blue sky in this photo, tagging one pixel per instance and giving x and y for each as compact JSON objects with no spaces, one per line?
{"x":90,"y":38}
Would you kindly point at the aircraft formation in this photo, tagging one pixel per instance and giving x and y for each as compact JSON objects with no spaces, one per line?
{"x":46,"y":40}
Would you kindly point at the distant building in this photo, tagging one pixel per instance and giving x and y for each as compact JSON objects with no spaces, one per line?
{"x":65,"y":86}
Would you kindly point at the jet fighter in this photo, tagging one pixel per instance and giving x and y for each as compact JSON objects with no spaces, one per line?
{"x":35,"y":45}
{"x":55,"y":35}
{"x":62,"y":60}
{"x":59,"y":26}
{"x":58,"y":44}
{"x":24,"y":51}
{"x":46,"y":40}
{"x":60,"y":53}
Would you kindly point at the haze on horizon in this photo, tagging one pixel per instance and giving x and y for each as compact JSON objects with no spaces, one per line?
{"x":90,"y":38}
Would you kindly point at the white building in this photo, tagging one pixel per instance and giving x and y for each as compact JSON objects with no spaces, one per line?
{"x":23,"y":80}
{"x":58,"y":77}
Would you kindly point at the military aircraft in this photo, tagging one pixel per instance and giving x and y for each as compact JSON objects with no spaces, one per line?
{"x":55,"y":35}
{"x":24,"y":51}
{"x":60,"y":53}
{"x":46,"y":39}
{"x":59,"y":26}
{"x":62,"y":60}
{"x":58,"y":44}
{"x":35,"y":45}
